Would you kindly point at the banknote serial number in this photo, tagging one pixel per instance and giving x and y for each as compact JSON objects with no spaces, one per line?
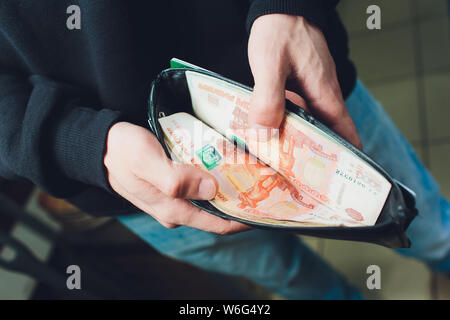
{"x":226,"y":309}
{"x":350,"y":178}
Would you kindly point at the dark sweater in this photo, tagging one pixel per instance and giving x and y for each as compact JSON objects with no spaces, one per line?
{"x":61,"y":90}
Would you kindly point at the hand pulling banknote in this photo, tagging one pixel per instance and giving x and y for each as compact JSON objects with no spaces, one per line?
{"x":299,"y":176}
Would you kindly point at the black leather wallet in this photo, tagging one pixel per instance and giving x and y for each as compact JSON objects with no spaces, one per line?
{"x":170,"y":94}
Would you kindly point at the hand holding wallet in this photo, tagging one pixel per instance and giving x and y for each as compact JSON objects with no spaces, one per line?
{"x":301,"y":188}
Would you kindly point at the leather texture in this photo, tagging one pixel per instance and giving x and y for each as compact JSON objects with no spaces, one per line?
{"x":170,"y":94}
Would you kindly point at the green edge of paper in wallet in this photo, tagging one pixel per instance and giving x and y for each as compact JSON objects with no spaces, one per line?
{"x":301,"y":178}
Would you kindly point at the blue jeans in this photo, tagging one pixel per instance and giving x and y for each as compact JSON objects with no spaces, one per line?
{"x":280,"y":261}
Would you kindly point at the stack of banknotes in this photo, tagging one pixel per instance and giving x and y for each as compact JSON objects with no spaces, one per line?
{"x":294,"y":176}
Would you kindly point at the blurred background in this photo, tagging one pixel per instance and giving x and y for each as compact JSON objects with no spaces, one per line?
{"x":405,"y":65}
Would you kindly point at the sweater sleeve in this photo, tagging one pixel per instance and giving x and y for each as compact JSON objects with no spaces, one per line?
{"x":315,"y":11}
{"x":49,"y":136}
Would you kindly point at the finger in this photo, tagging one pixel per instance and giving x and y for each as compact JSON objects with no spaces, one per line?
{"x":142,"y":198}
{"x":168,"y":211}
{"x":173,"y":179}
{"x":268,"y":98}
{"x":296,"y":99}
{"x":182,"y":212}
{"x":330,"y":108}
{"x":172,"y":213}
{"x":168,"y":225}
{"x":347,"y":129}
{"x":183,"y":181}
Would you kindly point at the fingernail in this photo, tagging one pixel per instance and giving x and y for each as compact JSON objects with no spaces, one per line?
{"x":207,"y":189}
{"x":264,"y":133}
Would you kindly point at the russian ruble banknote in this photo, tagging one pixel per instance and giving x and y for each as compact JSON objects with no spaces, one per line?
{"x":296,"y":174}
{"x":248,"y":188}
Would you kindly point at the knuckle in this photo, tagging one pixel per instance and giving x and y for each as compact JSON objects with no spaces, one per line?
{"x":168,"y":219}
{"x":168,"y":225}
{"x":172,"y":215}
{"x":223,"y":232}
{"x":224,"y":229}
{"x":107,"y":161}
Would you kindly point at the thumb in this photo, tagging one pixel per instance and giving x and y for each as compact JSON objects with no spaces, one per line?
{"x":176,"y":180}
{"x":268,"y":99}
{"x":331,"y":109}
{"x":184,"y":181}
